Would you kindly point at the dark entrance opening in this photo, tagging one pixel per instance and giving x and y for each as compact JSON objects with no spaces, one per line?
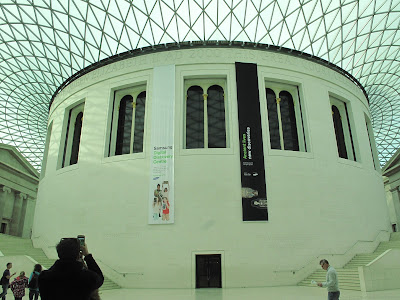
{"x":208,"y":271}
{"x":3,"y":228}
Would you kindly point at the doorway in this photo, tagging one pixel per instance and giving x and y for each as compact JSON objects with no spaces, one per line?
{"x":3,"y":228}
{"x":208,"y":271}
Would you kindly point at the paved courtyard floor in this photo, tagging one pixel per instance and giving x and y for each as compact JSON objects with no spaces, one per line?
{"x":267,"y":293}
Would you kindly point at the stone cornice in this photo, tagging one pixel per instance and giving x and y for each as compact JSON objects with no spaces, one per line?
{"x":19,"y":173}
{"x":21,"y":160}
{"x":203,"y":45}
{"x":392,"y":170}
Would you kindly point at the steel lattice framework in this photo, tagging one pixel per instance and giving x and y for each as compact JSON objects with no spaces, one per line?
{"x":42,"y":43}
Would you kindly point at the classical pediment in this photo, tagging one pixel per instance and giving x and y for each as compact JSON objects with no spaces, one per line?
{"x":13,"y":161}
{"x":393,"y":165}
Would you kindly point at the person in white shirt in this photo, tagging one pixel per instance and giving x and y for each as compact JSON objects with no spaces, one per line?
{"x":332,"y":282}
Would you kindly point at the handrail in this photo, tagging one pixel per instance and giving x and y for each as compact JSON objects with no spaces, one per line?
{"x":311,"y":260}
{"x":99,"y":260}
{"x":378,"y":258}
{"x":120,"y":273}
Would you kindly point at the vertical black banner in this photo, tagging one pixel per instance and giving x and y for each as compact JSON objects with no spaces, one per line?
{"x":254,"y":191}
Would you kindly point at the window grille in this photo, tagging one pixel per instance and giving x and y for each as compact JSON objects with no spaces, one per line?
{"x":205,"y":120}
{"x":127,"y":125}
{"x":284,"y":117}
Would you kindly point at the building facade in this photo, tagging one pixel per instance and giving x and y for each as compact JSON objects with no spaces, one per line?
{"x":18,"y":190}
{"x":210,"y":167}
{"x":391,"y":174}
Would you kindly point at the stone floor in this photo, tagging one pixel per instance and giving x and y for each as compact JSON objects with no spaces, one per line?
{"x":273,"y":293}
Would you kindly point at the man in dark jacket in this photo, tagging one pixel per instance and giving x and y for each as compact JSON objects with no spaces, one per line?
{"x":68,"y":278}
{"x":5,"y":281}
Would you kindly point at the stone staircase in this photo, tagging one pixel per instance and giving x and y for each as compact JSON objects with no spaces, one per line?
{"x":13,"y":246}
{"x":348,"y":275}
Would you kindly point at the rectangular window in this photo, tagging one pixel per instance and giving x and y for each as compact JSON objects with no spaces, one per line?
{"x":73,"y":136}
{"x":205,"y":113}
{"x":127,"y":124}
{"x":286,"y":130}
{"x":341,"y":124}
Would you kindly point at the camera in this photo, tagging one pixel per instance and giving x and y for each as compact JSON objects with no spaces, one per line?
{"x":81,"y":239}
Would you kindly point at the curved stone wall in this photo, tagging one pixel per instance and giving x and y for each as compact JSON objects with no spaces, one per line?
{"x":317,"y":202}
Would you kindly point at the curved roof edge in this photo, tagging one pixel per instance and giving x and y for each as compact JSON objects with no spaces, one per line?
{"x":204,"y":44}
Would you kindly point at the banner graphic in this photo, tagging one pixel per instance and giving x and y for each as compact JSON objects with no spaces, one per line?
{"x":254,"y":190}
{"x":161,"y":194}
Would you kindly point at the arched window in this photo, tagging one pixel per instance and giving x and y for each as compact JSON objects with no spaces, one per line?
{"x":46,"y":150}
{"x":284,"y":117}
{"x":124,"y":126}
{"x":288,"y":117}
{"x":76,"y":141}
{"x":73,"y":136}
{"x":337,"y":123}
{"x":372,"y":144}
{"x":127,"y":130}
{"x":194,"y":118}
{"x":273,"y":121}
{"x":343,"y":133}
{"x":216,"y":117}
{"x":205,"y":115}
{"x":139,"y":122}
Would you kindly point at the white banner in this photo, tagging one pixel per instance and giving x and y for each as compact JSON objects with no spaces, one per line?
{"x":161,"y":195}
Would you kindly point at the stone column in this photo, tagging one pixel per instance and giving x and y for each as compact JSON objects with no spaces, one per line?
{"x":16,"y":215}
{"x":28,"y":218}
{"x":4,"y":191}
{"x":23,"y":216}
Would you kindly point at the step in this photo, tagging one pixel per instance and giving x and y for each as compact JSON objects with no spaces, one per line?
{"x":395,"y":236}
{"x":395,"y":243}
{"x":361,"y":260}
{"x":109,"y":285}
{"x":348,"y":278}
{"x":348,"y":275}
{"x":339,"y":271}
{"x":342,"y":286}
{"x":341,"y":279}
{"x":11,"y":246}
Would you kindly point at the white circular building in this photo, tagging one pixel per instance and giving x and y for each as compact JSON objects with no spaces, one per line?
{"x":211,"y":166}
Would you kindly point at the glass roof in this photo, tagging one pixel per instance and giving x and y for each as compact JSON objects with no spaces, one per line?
{"x":44,"y":42}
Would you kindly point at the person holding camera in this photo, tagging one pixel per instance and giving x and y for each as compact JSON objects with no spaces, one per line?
{"x":68,"y":278}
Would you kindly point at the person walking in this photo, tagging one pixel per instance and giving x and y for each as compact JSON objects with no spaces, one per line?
{"x":332,"y":282}
{"x":33,"y":283}
{"x":19,"y":285}
{"x":5,"y":280}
